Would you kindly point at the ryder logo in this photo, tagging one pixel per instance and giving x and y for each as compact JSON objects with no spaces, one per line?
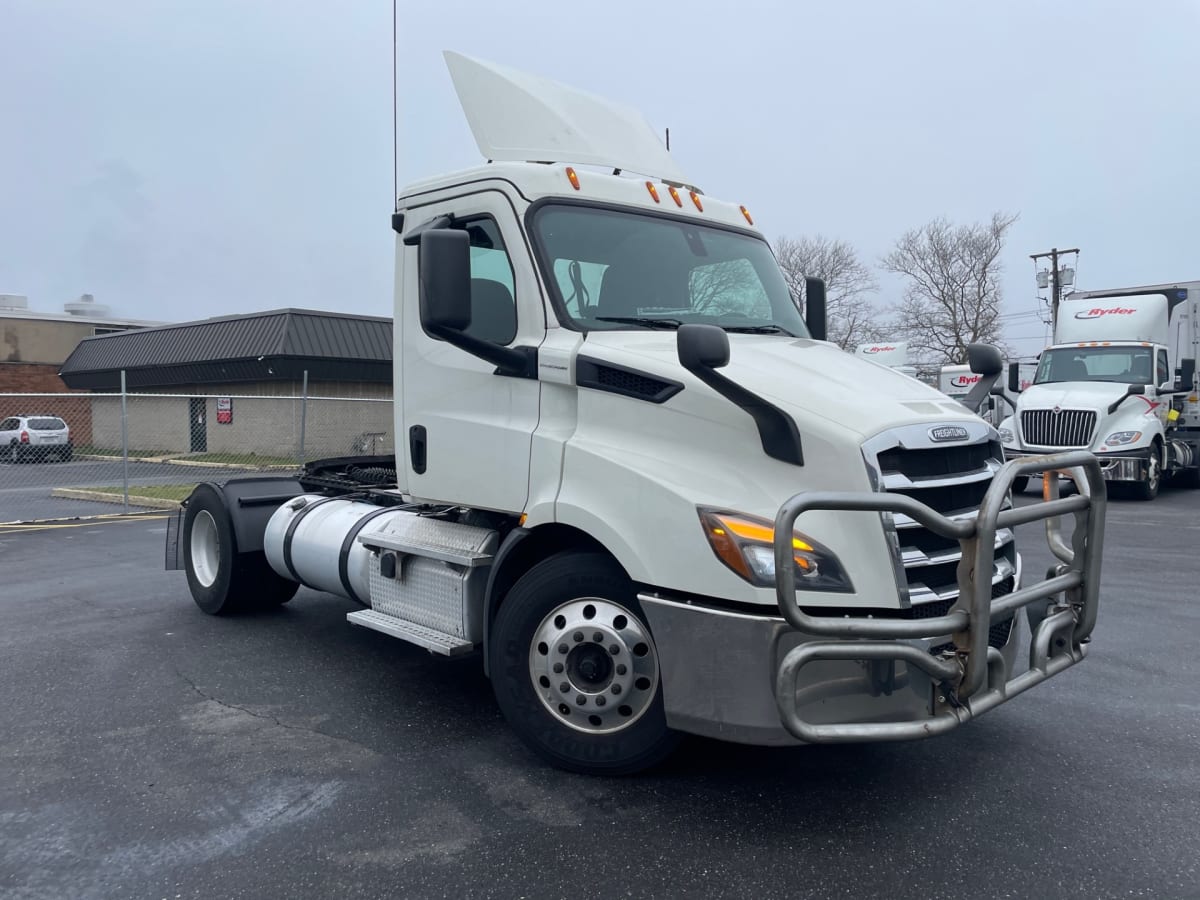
{"x":878,"y":349}
{"x":1098,"y":313}
{"x":965,"y":380}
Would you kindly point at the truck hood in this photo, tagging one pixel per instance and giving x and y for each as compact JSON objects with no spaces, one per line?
{"x":1097,"y":395}
{"x":805,"y":377}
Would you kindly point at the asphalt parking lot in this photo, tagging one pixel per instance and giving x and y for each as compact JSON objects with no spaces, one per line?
{"x":148,"y":750}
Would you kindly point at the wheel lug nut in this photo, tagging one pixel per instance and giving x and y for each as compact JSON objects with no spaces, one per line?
{"x":616,"y":689}
{"x":558,"y":667}
{"x":621,"y":670}
{"x":614,"y":649}
{"x":578,"y":636}
{"x":581,"y":700}
{"x":597,"y":637}
{"x":562,"y":648}
{"x":564,"y":687}
{"x":600,"y":701}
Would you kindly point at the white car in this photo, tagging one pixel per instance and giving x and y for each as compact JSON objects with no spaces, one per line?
{"x":36,"y":437}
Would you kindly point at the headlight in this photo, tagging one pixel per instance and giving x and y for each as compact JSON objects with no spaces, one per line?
{"x":746,"y":544}
{"x":1123,"y":437}
{"x":1006,"y":436}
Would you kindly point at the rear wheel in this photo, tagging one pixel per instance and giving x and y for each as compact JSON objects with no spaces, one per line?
{"x":1020,"y":483}
{"x":1147,"y":488}
{"x":221,"y":579}
{"x":14,"y":453}
{"x":575,"y":669}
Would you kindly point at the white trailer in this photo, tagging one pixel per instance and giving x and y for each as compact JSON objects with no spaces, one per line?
{"x":893,"y":354}
{"x":1119,"y":380}
{"x":641,"y":486}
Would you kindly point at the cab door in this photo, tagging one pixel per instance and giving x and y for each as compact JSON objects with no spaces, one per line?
{"x":467,"y":431}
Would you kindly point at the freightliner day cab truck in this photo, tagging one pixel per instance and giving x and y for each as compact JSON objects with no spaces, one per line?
{"x":632,"y":478}
{"x":1119,"y":380}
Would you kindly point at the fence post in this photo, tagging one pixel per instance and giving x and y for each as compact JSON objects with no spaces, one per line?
{"x":303,"y":419}
{"x":124,"y":443}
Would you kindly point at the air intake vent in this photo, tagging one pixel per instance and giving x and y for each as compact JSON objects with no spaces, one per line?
{"x":604,"y":376}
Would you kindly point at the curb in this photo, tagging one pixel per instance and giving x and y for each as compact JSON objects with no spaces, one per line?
{"x":205,"y":464}
{"x":104,"y":497}
{"x":197,"y":463}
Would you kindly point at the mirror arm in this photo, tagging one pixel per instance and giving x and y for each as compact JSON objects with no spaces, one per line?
{"x":516,"y":362}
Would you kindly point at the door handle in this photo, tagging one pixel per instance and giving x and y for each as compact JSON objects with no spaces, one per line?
{"x":417,"y":448}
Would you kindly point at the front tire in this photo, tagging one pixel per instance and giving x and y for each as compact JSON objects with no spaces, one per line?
{"x":584,"y":704}
{"x":222,"y":580}
{"x":1147,"y":489}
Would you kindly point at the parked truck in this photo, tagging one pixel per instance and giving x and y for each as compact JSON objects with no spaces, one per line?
{"x":893,"y":354}
{"x":1120,"y":381}
{"x":632,"y":477}
{"x":956,"y":381}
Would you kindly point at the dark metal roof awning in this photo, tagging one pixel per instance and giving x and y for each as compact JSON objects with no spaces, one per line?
{"x":279,"y":345}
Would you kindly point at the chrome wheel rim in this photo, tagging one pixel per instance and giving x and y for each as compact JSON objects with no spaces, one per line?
{"x":593,"y":665}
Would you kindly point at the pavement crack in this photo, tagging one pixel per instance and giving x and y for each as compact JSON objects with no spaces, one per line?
{"x":267,"y":717}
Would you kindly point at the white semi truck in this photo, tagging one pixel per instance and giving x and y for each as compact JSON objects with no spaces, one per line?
{"x":637,"y":482}
{"x":1120,"y":381}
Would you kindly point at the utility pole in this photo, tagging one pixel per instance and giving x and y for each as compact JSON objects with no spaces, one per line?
{"x":1055,"y":281}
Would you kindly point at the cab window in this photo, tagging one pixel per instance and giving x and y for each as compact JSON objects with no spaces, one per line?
{"x":493,"y":295}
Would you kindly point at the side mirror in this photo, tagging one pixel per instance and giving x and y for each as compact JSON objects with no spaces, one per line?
{"x":1187,"y":374}
{"x":702,"y":347}
{"x":814,"y":307}
{"x":444,"y":259}
{"x":985,"y":360}
{"x":1014,"y":378}
{"x":1167,"y":387}
{"x":1134,"y":390}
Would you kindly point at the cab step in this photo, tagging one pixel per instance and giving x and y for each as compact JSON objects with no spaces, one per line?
{"x":434,"y":641}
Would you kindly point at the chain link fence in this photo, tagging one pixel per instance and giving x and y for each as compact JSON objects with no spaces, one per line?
{"x":71,"y":455}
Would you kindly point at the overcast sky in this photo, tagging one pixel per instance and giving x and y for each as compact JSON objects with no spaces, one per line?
{"x":187,"y":159}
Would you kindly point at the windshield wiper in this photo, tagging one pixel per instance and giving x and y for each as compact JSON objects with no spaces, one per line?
{"x":758,"y":329}
{"x":648,"y":321}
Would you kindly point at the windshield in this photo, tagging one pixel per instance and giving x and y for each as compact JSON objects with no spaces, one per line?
{"x":1125,"y":365}
{"x":618,"y":270}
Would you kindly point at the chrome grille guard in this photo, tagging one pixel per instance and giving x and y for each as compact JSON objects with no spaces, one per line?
{"x":974,"y":679}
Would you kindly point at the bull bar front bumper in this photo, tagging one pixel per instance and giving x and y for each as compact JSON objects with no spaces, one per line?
{"x":974,"y":679}
{"x":788,"y":676}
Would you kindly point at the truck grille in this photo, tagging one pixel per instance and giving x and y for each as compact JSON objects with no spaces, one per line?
{"x":953,"y":480}
{"x":1058,"y":427}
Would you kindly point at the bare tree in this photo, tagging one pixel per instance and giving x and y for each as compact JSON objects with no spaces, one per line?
{"x":952,"y":297}
{"x":728,"y":287}
{"x":851,"y":318}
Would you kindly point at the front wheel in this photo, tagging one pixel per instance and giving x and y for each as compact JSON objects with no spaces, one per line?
{"x":575,"y":669}
{"x":1147,"y":488}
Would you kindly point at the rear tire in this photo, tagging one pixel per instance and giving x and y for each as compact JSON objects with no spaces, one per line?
{"x":1020,"y":483}
{"x":66,"y":453}
{"x":620,"y":726}
{"x":222,"y":580}
{"x":14,"y":453}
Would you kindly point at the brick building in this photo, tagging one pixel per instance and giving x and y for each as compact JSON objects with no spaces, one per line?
{"x":33,"y":346}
